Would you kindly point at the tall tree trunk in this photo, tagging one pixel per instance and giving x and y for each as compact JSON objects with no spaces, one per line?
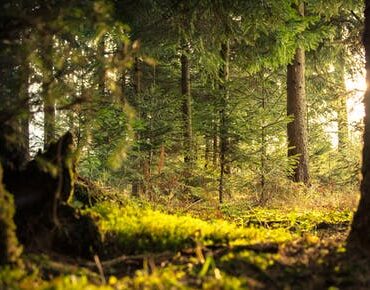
{"x":359,"y":237}
{"x":263,"y":151}
{"x":296,"y":107}
{"x":215,"y":142}
{"x":224,"y":120}
{"x":26,"y":115}
{"x":101,"y":68}
{"x":136,"y":183}
{"x":13,"y":154}
{"x":186,"y":113}
{"x":207,"y":150}
{"x":48,"y":98}
{"x":342,"y":113}
{"x":12,"y":151}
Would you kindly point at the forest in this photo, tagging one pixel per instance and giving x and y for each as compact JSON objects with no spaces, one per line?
{"x":199,"y":144}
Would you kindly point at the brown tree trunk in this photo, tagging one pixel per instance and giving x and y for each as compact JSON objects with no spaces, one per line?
{"x":207,"y":151}
{"x":101,"y":68}
{"x":359,"y":237}
{"x":263,"y":152}
{"x":13,"y":103}
{"x":296,"y":107}
{"x":13,"y":155}
{"x":136,"y":183}
{"x":215,"y":143}
{"x":25,"y":118}
{"x":186,"y":113}
{"x":48,"y":98}
{"x":224,"y":120}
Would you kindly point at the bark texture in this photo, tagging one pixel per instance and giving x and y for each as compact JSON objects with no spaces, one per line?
{"x":48,"y":98}
{"x":359,"y":237}
{"x":296,"y":107}
{"x":187,"y":112}
{"x":137,"y":185}
{"x":101,"y":68}
{"x":224,"y":120}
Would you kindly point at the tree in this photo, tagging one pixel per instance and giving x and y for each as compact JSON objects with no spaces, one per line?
{"x":24,"y":57}
{"x":224,"y":119}
{"x":359,"y":237}
{"x":341,"y":108}
{"x":186,"y":111}
{"x":296,"y":107}
{"x":137,"y":185}
{"x":46,"y":54}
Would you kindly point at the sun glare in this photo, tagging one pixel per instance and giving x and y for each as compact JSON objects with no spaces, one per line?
{"x":356,"y":87}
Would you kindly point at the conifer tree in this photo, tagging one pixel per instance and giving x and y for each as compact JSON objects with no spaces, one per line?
{"x":296,"y":107}
{"x":46,"y":52}
{"x":359,"y":237}
{"x":224,"y":119}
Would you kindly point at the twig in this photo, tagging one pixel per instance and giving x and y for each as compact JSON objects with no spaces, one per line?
{"x":191,"y":205}
{"x":125,"y":258}
{"x":100,"y":268}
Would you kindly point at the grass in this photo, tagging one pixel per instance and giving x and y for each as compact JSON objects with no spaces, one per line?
{"x":138,"y":229}
{"x":232,"y":247}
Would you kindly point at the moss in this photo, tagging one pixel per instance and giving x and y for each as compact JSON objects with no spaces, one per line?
{"x":10,"y":249}
{"x":141,"y":229}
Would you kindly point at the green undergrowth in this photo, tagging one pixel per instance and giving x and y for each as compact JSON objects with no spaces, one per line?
{"x":137,"y":228}
{"x":180,"y":251}
{"x":294,"y":221}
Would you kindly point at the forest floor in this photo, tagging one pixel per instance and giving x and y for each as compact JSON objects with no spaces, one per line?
{"x":203,"y":246}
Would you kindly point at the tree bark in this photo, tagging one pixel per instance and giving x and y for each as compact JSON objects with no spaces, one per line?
{"x":48,"y":98}
{"x":13,"y":155}
{"x":263,"y":152}
{"x":136,"y":187}
{"x":207,"y":150}
{"x":359,"y":237}
{"x":215,"y":142}
{"x":224,"y":120}
{"x":26,"y":116}
{"x":186,"y":113}
{"x":101,"y":68}
{"x":296,"y":107}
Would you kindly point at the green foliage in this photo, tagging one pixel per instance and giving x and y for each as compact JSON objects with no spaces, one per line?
{"x":81,"y":55}
{"x":294,"y":221}
{"x":126,"y":137}
{"x":109,"y":142}
{"x":187,"y":242}
{"x":141,"y":229}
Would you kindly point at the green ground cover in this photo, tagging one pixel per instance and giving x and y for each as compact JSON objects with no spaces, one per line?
{"x":148,"y":248}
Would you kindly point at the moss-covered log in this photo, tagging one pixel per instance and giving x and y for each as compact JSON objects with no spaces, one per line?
{"x":10,"y":249}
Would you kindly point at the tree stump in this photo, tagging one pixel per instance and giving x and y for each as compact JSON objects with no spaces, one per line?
{"x":43,"y":216}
